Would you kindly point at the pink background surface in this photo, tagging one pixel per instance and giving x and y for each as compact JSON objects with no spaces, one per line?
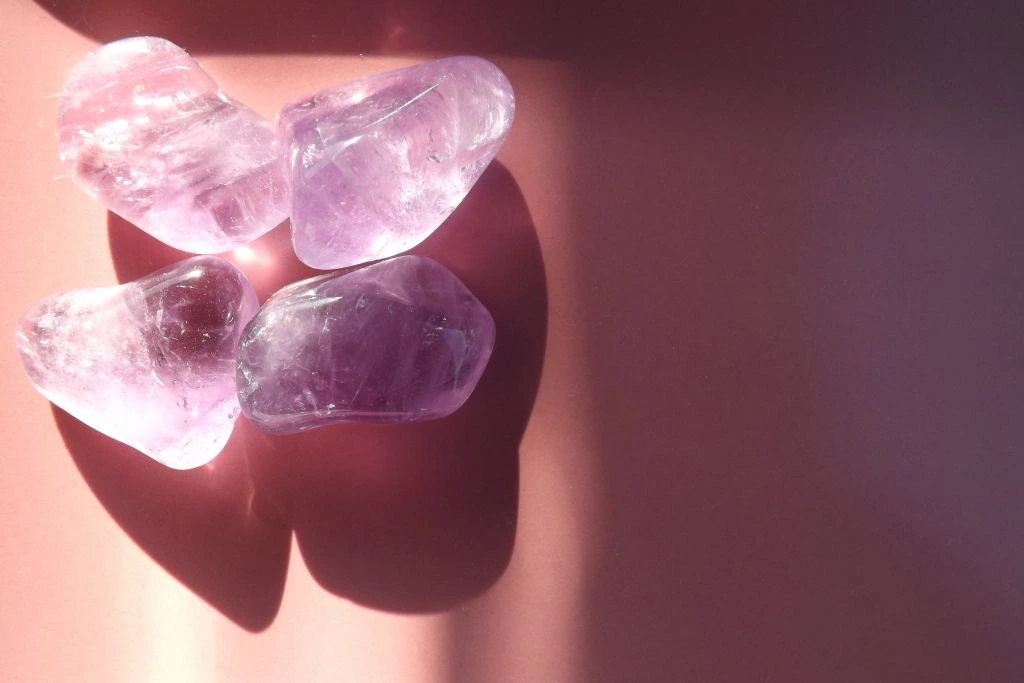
{"x":755,"y":409}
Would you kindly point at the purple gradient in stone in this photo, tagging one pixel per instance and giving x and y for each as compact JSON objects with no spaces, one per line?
{"x":377,"y":164}
{"x":150,"y":363}
{"x":398,"y":341}
{"x":144,"y":130}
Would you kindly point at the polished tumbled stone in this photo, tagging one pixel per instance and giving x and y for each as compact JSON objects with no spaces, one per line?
{"x":377,"y":164}
{"x":144,"y":130}
{"x":398,"y":341}
{"x":150,"y":363}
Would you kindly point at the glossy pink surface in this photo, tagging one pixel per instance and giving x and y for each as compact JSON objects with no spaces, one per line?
{"x":147,"y":132}
{"x":150,"y":363}
{"x":377,"y":164}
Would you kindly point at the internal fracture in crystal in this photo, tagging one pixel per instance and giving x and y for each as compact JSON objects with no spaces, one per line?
{"x":398,"y":341}
{"x":150,"y":363}
{"x":377,"y":164}
{"x":144,"y":130}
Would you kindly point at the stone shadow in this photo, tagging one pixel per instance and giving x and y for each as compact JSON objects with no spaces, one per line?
{"x":408,"y":518}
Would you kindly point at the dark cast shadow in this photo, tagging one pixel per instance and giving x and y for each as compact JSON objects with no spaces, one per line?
{"x":406,"y":518}
{"x":532,"y":27}
{"x":796,"y":226}
{"x":417,"y":518}
{"x":201,"y":525}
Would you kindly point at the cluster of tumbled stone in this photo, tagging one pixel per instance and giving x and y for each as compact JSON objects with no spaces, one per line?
{"x":365,"y":170}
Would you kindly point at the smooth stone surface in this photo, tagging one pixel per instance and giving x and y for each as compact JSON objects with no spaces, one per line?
{"x":150,"y":363}
{"x":397,"y":341}
{"x":377,"y":164}
{"x":144,"y":130}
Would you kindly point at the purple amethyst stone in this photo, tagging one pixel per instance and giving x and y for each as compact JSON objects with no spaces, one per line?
{"x":398,"y":341}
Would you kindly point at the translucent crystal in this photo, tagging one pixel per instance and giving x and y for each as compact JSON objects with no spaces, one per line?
{"x":144,"y":130}
{"x":377,"y":164}
{"x":398,"y":341}
{"x":150,"y":363}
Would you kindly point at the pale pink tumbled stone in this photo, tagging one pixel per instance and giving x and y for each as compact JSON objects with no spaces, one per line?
{"x":377,"y":164}
{"x":144,"y":130}
{"x":150,"y":363}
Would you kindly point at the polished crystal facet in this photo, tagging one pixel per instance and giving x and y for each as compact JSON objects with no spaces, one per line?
{"x":147,"y":132}
{"x":377,"y":164}
{"x":150,"y":363}
{"x":399,"y":341}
